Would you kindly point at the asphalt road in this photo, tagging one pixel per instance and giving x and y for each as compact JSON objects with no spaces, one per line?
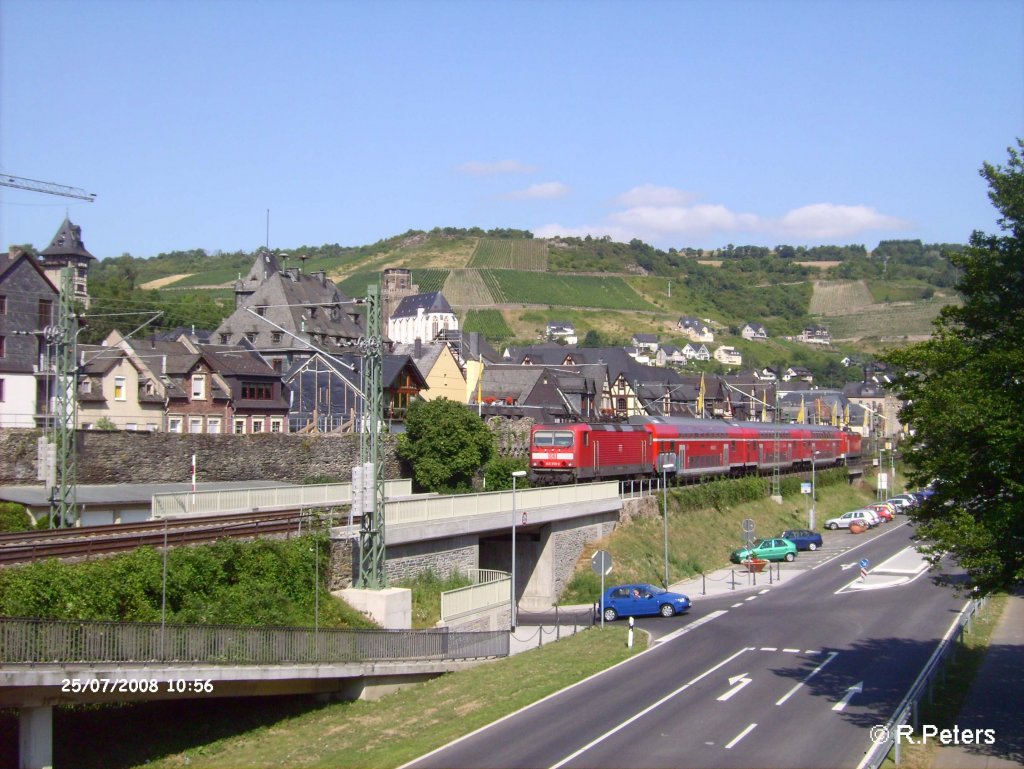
{"x":788,"y":676}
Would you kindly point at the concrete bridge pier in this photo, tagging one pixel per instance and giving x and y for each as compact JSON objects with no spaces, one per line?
{"x":35,"y":737}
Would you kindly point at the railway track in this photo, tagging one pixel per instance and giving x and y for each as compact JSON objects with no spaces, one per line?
{"x":25,"y":547}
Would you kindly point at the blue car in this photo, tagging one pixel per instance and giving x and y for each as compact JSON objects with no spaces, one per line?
{"x":641,"y":601}
{"x":803,"y":538}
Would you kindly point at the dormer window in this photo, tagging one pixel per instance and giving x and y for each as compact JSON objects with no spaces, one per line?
{"x":198,"y":387}
{"x":250,"y":336}
{"x":261,"y":311}
{"x":225,"y":338}
{"x":276,"y":337}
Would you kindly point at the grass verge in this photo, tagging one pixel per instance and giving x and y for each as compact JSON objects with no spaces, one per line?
{"x":295,"y":732}
{"x":952,"y":688}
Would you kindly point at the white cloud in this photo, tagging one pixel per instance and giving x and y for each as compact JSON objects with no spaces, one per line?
{"x":478,"y":168}
{"x":545,"y":191}
{"x":664,"y":216}
{"x":828,"y":220}
{"x":652,"y":195}
{"x":683,"y":220}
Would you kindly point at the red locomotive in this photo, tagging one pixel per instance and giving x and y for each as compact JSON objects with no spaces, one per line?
{"x":687,"y":448}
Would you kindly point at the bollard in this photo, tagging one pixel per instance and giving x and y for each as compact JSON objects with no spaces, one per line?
{"x":733,"y":573}
{"x":703,"y":584}
{"x":629,"y":637}
{"x":771,"y":576}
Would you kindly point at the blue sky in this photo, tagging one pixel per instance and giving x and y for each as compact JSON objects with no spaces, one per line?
{"x":682,"y":123}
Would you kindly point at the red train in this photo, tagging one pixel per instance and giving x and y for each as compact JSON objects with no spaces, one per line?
{"x":687,"y":448}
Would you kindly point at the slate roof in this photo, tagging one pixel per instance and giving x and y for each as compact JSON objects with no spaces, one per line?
{"x":67,"y":242}
{"x":432,"y":302}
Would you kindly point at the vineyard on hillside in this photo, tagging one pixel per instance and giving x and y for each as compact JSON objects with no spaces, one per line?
{"x":839,"y":297}
{"x":508,"y":287}
{"x":490,"y":323}
{"x":464,"y":288}
{"x":511,"y":254}
{"x":913,"y":320}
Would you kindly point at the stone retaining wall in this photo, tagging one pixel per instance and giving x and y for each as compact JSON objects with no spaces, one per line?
{"x":119,"y":456}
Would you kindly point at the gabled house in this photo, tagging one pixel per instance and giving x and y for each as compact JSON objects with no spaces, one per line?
{"x":28,"y":302}
{"x":439,"y":366}
{"x":815,"y":334}
{"x":421,"y":316}
{"x":754,"y":331}
{"x":695,"y":329}
{"x":647,"y":342}
{"x":563,"y":331}
{"x":286,"y":315}
{"x":799,"y":373}
{"x":767,"y":374}
{"x":701,"y":353}
{"x":729,"y":356}
{"x":670,"y":354}
{"x":116,"y":390}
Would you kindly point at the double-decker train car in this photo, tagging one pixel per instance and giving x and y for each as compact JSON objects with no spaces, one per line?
{"x":686,"y":448}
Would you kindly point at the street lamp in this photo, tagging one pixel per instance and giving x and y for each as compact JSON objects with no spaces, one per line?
{"x":814,"y":494}
{"x":516,"y":474}
{"x":664,"y":499}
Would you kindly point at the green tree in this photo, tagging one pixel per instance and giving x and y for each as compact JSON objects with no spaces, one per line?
{"x":446,"y":444}
{"x":963,"y":392}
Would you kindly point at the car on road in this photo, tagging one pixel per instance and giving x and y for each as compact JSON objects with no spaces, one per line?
{"x":642,"y":600}
{"x":804,"y":539}
{"x":777,"y":549}
{"x":844,"y":520}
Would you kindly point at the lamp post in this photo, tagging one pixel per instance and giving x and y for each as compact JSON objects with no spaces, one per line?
{"x":515,"y":475}
{"x":814,"y":490}
{"x":664,"y":499}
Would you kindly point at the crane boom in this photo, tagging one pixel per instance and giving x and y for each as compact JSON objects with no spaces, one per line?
{"x":19,"y":183}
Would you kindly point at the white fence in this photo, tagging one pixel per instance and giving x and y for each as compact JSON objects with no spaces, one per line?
{"x":443,"y":508}
{"x":490,"y":590}
{"x":188,"y":503}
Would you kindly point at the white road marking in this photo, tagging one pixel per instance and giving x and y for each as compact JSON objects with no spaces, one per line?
{"x":769,"y":648}
{"x":812,"y":674}
{"x":651,"y":707}
{"x":865,"y":542}
{"x":740,"y":736}
{"x":855,"y":689}
{"x":737,"y":683}
{"x":762,"y":592}
{"x":692,"y":626}
{"x":792,"y":651}
{"x":736,"y":605}
{"x":812,"y":651}
{"x":751,"y":598}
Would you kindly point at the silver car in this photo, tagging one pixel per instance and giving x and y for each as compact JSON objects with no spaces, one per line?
{"x":843,"y":521}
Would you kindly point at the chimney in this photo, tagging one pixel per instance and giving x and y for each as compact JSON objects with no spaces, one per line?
{"x":321,"y":276}
{"x":163,"y":364}
{"x":418,"y":349}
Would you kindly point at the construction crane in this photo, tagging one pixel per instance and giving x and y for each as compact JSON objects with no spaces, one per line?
{"x":49,"y":188}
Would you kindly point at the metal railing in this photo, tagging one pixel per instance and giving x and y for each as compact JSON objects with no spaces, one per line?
{"x":490,"y":589}
{"x":43,"y":641}
{"x":444,"y":508}
{"x":184,"y":503}
{"x":909,"y":708}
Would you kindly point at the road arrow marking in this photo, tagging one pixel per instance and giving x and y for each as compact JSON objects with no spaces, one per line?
{"x":855,"y":689}
{"x":737,"y":683}
{"x":848,"y":566}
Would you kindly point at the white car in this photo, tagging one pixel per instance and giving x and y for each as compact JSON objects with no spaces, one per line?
{"x":902,"y":502}
{"x":844,"y":520}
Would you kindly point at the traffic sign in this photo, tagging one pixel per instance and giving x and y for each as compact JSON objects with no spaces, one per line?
{"x":748,"y":525}
{"x":863,"y":563}
{"x":601,"y":562}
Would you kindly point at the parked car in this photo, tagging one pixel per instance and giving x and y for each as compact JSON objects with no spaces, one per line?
{"x":804,"y":539}
{"x":874,"y":517}
{"x":844,"y":520}
{"x":777,"y":549}
{"x":884,"y":511}
{"x":642,"y":600}
{"x":903,"y":501}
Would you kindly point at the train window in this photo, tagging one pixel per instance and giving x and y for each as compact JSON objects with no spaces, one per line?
{"x":552,"y":438}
